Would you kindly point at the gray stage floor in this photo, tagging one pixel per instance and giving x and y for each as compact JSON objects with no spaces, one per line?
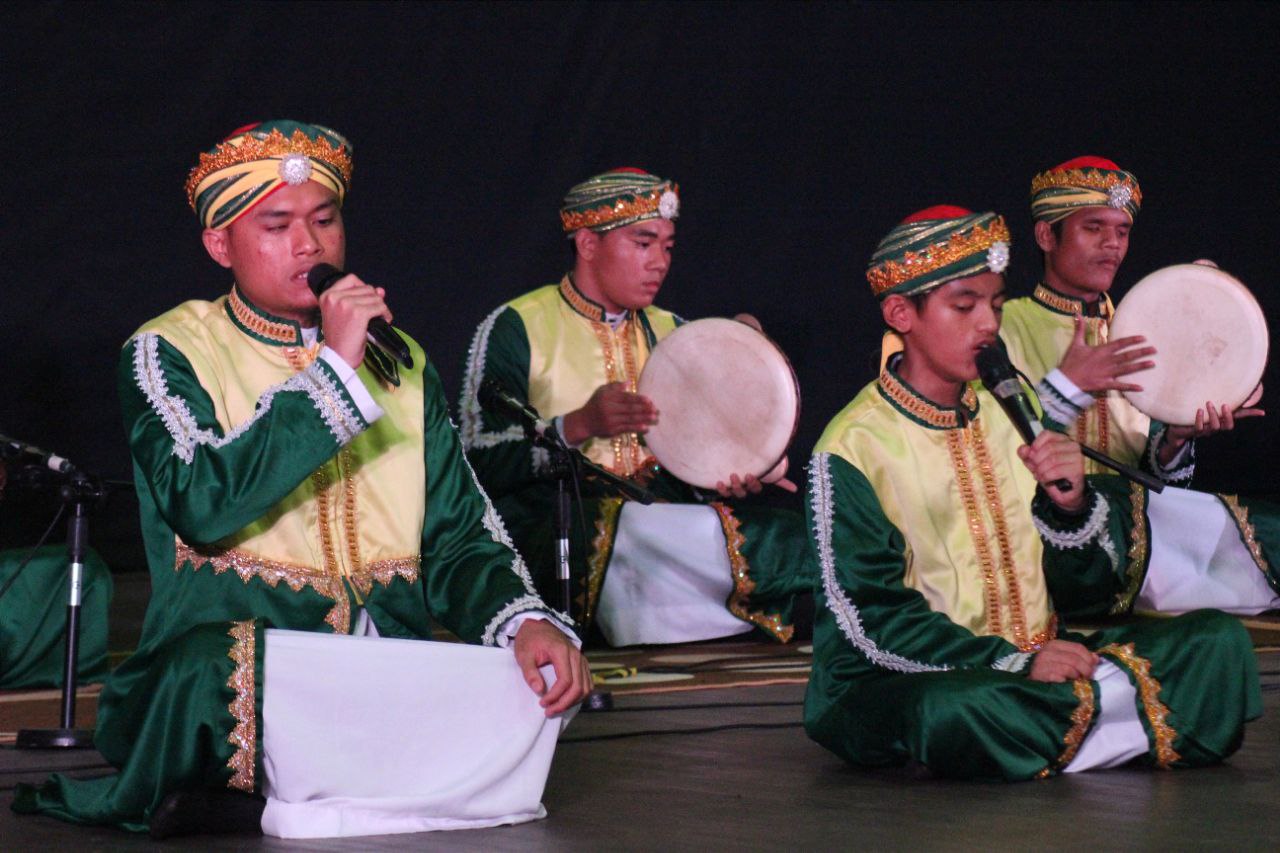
{"x":731,"y":769}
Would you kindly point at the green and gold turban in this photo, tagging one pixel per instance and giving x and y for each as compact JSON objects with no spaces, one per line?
{"x":253,"y":161}
{"x":936,"y":245}
{"x":1083,"y":182}
{"x":619,"y":197}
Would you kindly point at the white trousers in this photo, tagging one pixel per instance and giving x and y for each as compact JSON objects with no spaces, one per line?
{"x":668,"y":579}
{"x":1117,"y":736}
{"x":1198,"y":559}
{"x":373,"y":736}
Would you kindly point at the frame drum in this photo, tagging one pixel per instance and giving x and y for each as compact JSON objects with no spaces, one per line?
{"x":728,"y":402}
{"x":1210,"y":337}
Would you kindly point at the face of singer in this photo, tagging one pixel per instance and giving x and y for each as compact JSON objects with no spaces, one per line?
{"x":625,"y":267}
{"x":944,"y":330}
{"x":271,"y":248}
{"x":1083,"y":260}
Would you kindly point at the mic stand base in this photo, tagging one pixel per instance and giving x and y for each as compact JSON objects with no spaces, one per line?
{"x":54,"y":739}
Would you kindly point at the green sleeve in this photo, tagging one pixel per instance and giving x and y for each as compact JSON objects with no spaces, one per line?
{"x":207,"y":483}
{"x":504,"y":459}
{"x":862,"y":557}
{"x":473,"y":578}
{"x":1085,"y":554}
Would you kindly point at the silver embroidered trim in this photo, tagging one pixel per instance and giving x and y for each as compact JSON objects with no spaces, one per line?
{"x":186,"y":433}
{"x":1107,"y":545}
{"x":1056,"y":405}
{"x":519,"y":605}
{"x":1094,"y":526}
{"x":1177,"y":473}
{"x":1015,"y":662}
{"x":472,"y":431}
{"x":844,"y":610}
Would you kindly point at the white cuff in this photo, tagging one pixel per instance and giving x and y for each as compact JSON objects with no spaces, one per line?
{"x":507,"y":630}
{"x":1069,"y":389}
{"x":369,"y":410}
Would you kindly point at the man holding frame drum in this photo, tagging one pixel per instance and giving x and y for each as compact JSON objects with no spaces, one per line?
{"x":1203,"y":550}
{"x":685,"y":568}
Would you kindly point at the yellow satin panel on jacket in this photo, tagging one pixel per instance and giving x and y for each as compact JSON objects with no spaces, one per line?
{"x":567,"y":356}
{"x":910,"y":467}
{"x":380,"y":475}
{"x":1037,"y":338}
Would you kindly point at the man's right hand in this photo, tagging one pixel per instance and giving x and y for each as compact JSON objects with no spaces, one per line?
{"x":345,"y":311}
{"x":1100,"y":368}
{"x":1062,"y":660}
{"x":612,"y":410}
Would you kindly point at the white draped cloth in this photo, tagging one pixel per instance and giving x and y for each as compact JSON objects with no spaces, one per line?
{"x":1198,"y":559}
{"x":373,"y":736}
{"x":668,"y":578}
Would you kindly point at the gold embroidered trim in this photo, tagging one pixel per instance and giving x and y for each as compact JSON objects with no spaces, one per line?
{"x":1013,"y":589}
{"x":628,"y":457}
{"x":256,"y":323}
{"x":580,"y":303}
{"x":1062,"y":304}
{"x":245,"y":734}
{"x":601,"y":551}
{"x":620,"y":209}
{"x":959,"y":246}
{"x":919,"y":407}
{"x":1137,"y":553}
{"x":1080,"y":719}
{"x":977,"y":530}
{"x":1086,"y":179}
{"x":1149,"y":690}
{"x":272,"y":572}
{"x":1247,"y":533}
{"x":743,"y":585}
{"x":246,"y":149}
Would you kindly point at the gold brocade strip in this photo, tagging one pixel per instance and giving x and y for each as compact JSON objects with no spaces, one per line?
{"x":626,"y":447}
{"x":922,"y":409}
{"x":1041,"y":637}
{"x":1081,"y":717}
{"x":272,"y":572}
{"x":601,"y":551}
{"x":244,"y":736}
{"x":995,"y":506}
{"x":1138,"y":545}
{"x":955,"y":248}
{"x":253,"y":321}
{"x":1051,"y":299}
{"x":743,"y":585}
{"x":350,"y":528}
{"x":1149,"y":690}
{"x":977,"y":530}
{"x":1088,"y":178}
{"x":274,"y":144}
{"x":1247,"y":533}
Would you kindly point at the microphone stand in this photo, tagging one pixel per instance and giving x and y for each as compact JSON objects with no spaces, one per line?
{"x":80,"y":493}
{"x":568,"y":466}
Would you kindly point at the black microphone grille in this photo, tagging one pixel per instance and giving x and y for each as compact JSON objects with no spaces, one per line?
{"x":993,"y":365}
{"x":322,"y":276}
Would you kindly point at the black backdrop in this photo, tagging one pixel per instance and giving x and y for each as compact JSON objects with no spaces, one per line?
{"x":799,"y":135}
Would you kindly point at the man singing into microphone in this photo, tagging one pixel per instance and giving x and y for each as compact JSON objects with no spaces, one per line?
{"x":284,"y":484}
{"x":1204,"y":550}
{"x":687,"y":567}
{"x":935,"y":639}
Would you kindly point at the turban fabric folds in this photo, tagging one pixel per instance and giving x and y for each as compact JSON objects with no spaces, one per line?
{"x":936,"y":245}
{"x":619,"y":197}
{"x":1080,"y":183}
{"x":253,"y":161}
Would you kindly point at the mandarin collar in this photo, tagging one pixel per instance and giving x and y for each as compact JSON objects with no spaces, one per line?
{"x":584,"y":305}
{"x":261,"y":325}
{"x":923,"y":411}
{"x":1061,"y":303}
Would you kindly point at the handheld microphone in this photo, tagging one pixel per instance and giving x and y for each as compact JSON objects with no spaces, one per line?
{"x":323,"y":276}
{"x":12,"y":448}
{"x":494,"y":395}
{"x":997,"y":374}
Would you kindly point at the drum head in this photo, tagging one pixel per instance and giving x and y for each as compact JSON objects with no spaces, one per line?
{"x":1210,"y":337}
{"x":728,"y":402}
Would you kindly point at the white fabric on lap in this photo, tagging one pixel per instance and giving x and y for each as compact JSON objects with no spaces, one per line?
{"x":668,"y":579}
{"x":1198,"y":559}
{"x":373,"y":736}
{"x":1118,"y":735}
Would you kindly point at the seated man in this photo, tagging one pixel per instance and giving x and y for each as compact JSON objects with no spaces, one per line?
{"x":935,"y":639}
{"x":1204,"y":550}
{"x":685,"y":568}
{"x":284,"y":484}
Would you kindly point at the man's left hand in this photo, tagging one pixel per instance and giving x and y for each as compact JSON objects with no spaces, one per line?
{"x":1209,"y":420}
{"x":539,"y":642}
